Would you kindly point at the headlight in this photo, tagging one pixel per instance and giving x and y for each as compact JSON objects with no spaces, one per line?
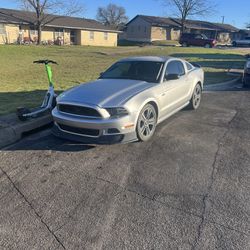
{"x":248,"y":65}
{"x":117,"y":112}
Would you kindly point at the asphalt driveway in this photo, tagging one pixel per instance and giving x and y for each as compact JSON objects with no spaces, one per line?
{"x":188,"y":188}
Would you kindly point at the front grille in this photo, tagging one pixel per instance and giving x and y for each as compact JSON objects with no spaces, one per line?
{"x":78,"y":110}
{"x":81,"y":131}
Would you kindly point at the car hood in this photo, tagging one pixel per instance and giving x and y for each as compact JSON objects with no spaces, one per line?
{"x":104,"y":92}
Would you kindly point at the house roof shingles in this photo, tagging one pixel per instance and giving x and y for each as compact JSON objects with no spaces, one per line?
{"x":27,"y":17}
{"x":190,"y":24}
{"x":159,"y":21}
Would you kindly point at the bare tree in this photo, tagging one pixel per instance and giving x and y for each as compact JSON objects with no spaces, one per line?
{"x":44,"y":8}
{"x":187,"y":8}
{"x":112,"y":15}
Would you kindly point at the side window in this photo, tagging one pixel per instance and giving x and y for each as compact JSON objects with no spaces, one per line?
{"x":198,"y":37}
{"x":189,"y":66}
{"x":175,"y":67}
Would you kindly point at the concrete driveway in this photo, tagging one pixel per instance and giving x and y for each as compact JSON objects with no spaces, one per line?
{"x":188,"y":188}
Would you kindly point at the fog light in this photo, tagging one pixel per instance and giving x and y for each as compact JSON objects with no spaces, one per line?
{"x":113,"y":131}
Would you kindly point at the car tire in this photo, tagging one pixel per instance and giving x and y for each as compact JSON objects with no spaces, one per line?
{"x":146,"y":123}
{"x":234,"y":44}
{"x":196,"y":98}
{"x":245,"y":83}
{"x":184,"y":44}
{"x":207,"y":45}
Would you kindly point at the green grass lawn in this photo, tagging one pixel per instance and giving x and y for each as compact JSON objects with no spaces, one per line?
{"x":23,"y":83}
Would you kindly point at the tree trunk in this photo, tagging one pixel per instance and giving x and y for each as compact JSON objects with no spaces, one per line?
{"x":39,"y":38}
{"x":182,"y":25}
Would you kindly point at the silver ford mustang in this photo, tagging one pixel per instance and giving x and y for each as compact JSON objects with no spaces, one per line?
{"x":128,"y":100}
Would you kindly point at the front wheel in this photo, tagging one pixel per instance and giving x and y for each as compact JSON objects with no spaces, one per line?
{"x":146,"y":123}
{"x":207,"y":45}
{"x":196,"y":98}
{"x":234,"y":44}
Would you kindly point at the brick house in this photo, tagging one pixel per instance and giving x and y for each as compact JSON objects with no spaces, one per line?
{"x":151,"y":28}
{"x":16,"y":25}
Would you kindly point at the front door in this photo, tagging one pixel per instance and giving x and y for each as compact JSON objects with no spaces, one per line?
{"x":73,"y":39}
{"x":175,"y":91}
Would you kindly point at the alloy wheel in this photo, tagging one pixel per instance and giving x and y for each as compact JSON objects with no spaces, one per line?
{"x":146,"y":123}
{"x":197,"y":96}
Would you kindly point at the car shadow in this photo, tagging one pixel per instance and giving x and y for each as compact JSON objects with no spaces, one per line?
{"x":42,"y":139}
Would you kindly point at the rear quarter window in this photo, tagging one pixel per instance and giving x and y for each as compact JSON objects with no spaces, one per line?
{"x":189,"y":66}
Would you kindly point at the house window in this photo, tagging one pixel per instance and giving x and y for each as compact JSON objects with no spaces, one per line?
{"x":58,"y":33}
{"x":33,"y":31}
{"x":2,"y":29}
{"x":91,"y":35}
{"x":105,"y":35}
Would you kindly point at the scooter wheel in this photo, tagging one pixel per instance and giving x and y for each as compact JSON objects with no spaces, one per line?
{"x":21,"y":112}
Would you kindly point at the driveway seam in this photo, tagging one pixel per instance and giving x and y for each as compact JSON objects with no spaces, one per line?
{"x":151,"y":199}
{"x":31,"y":206}
{"x":212,"y":179}
{"x":165,"y":205}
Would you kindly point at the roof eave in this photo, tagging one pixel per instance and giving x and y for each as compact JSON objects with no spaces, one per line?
{"x":81,"y":28}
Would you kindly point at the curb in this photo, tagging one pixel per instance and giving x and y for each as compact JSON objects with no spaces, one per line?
{"x":221,"y":85}
{"x":11,"y":129}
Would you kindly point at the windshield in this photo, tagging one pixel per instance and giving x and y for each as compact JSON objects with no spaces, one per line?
{"x":135,"y":70}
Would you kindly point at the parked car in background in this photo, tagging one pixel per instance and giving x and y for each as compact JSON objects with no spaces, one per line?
{"x":188,"y":39}
{"x":241,"y":42}
{"x":246,"y":74}
{"x":128,"y":100}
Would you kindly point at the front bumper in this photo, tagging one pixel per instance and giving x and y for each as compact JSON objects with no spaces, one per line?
{"x":106,"y":131}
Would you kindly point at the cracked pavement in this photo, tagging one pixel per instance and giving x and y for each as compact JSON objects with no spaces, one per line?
{"x":187,"y":188}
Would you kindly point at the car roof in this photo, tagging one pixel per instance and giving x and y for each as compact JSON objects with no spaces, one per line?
{"x":147,"y":58}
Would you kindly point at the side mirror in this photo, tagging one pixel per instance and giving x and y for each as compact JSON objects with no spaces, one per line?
{"x":172,"y":77}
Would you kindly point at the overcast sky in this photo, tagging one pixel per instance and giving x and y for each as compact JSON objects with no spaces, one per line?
{"x":236,"y":13}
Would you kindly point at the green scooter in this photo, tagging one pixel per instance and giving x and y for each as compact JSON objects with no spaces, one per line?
{"x":49,"y":101}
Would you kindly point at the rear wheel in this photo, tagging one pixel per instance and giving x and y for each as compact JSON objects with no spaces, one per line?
{"x":234,"y":44}
{"x":245,"y":83}
{"x":21,"y":111}
{"x":196,"y":98}
{"x":207,"y":45}
{"x":146,"y":123}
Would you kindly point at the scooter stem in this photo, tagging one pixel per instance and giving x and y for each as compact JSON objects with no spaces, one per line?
{"x":49,"y":74}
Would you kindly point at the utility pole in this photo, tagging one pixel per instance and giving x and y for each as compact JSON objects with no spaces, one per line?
{"x":223,"y":19}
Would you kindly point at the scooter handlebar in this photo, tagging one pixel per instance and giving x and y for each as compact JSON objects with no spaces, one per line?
{"x":45,"y":62}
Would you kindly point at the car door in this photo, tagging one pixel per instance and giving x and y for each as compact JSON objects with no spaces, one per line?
{"x":198,"y":40}
{"x":175,"y":91}
{"x":247,"y":41}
